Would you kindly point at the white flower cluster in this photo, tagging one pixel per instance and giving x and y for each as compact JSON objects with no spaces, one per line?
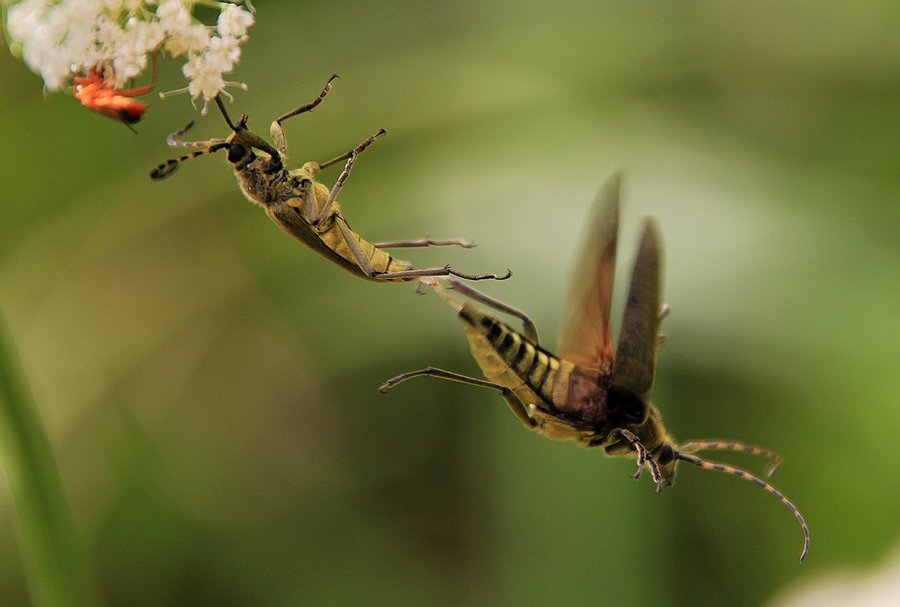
{"x":60,"y":39}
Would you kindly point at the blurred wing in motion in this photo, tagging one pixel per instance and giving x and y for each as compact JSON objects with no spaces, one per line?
{"x":585,"y":337}
{"x":635,"y":362}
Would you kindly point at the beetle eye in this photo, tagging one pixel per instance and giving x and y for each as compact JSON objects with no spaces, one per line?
{"x":236,"y":151}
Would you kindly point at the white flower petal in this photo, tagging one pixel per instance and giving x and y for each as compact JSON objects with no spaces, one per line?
{"x":62,"y":38}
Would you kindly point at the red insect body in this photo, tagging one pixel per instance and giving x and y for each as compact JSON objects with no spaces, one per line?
{"x":97,"y":93}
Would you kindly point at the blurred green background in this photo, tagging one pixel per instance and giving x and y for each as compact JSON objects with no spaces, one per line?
{"x":209,"y":386}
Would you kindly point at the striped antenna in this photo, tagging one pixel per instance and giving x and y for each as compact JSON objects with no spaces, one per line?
{"x":170,"y":166}
{"x":175,"y":140}
{"x":210,"y":145}
{"x":693,"y":459}
{"x":724,"y":445}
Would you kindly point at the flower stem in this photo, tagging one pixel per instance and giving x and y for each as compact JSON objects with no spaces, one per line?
{"x":52,"y":559}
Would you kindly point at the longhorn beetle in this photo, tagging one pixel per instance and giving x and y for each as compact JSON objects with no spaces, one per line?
{"x":305,"y":208}
{"x":588,"y":393}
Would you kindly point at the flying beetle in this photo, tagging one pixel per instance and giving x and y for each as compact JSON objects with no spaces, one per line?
{"x":304,"y":208}
{"x":588,"y":393}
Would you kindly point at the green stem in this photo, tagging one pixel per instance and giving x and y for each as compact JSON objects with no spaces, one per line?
{"x":53,"y":562}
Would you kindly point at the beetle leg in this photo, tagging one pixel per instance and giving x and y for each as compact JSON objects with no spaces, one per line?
{"x":644,"y":458}
{"x":512,"y":401}
{"x":528,"y":327}
{"x":351,"y":238}
{"x":278,"y":133}
{"x":425,"y":242}
{"x":351,"y":157}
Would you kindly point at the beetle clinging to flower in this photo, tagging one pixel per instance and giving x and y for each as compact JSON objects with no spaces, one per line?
{"x":304,"y":208}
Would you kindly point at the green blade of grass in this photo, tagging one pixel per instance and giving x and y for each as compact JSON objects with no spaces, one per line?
{"x":52,"y":560}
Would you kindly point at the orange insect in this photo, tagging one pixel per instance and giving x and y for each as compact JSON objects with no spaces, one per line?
{"x":96,"y":92}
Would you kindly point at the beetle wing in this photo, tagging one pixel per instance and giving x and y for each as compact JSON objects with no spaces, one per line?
{"x":124,"y":109}
{"x":117,"y":107}
{"x":585,"y":338}
{"x":635,"y":362}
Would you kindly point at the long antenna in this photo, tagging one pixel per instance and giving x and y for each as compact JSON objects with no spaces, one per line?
{"x":170,"y":166}
{"x":718,"y":444}
{"x":693,"y":459}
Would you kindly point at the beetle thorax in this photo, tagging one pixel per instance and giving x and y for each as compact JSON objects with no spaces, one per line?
{"x":258,"y":186}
